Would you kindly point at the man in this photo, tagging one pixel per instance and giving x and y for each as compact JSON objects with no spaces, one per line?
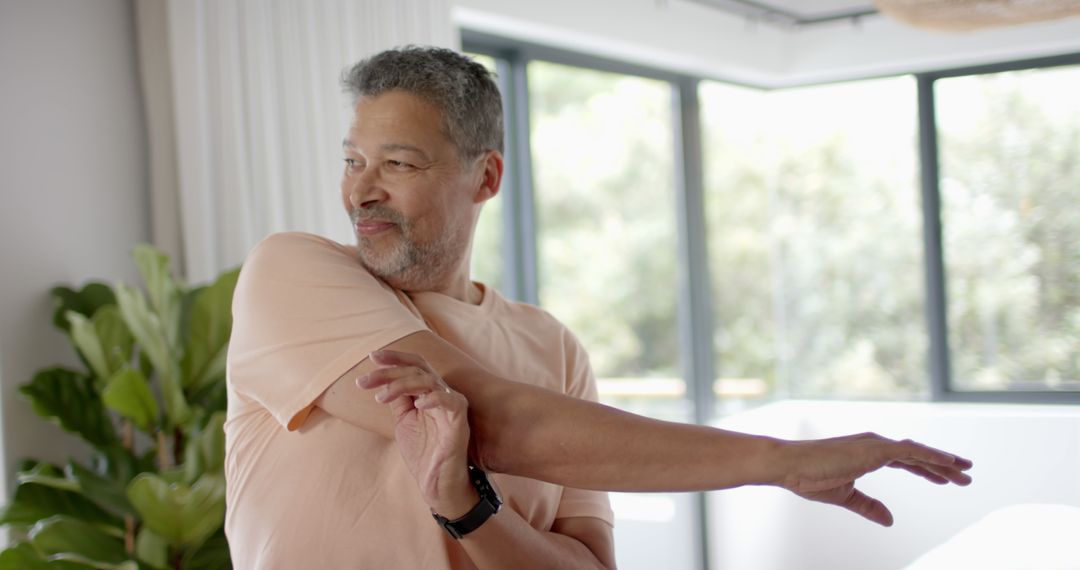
{"x":370,"y":387}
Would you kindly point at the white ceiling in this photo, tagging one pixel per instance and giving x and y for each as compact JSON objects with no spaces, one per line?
{"x":687,"y":36}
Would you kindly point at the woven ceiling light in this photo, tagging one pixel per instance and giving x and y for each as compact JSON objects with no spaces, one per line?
{"x":962,"y":15}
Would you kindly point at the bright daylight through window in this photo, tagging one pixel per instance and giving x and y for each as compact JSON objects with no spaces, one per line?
{"x":1010,"y":194}
{"x":487,"y":265}
{"x":814,"y":240}
{"x":605,"y":200}
{"x":814,"y":227}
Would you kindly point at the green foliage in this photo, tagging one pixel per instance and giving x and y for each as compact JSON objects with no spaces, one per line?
{"x":34,"y":501}
{"x":69,"y":399}
{"x":156,"y":363}
{"x":184,"y":515}
{"x":85,"y":301}
{"x":208,"y":334}
{"x":128,"y":394}
{"x":62,"y":534}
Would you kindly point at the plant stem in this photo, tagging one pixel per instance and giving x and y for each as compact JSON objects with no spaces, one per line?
{"x":129,"y":436}
{"x":164,"y":458}
{"x":129,"y":534}
{"x":129,"y":520}
{"x":178,"y":446}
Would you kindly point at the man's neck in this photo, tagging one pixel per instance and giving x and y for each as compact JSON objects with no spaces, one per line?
{"x":463,"y":290}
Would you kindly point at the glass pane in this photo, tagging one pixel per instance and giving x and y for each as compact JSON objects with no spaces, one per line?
{"x":1010,"y":192}
{"x":603,"y":169}
{"x":605,"y":203}
{"x":814,"y":229}
{"x":487,"y":259}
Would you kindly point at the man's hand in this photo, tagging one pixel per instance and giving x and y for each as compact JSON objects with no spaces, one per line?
{"x":825,"y":470}
{"x":431,"y":429}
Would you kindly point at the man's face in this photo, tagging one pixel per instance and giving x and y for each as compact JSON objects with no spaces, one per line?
{"x":411,"y":201}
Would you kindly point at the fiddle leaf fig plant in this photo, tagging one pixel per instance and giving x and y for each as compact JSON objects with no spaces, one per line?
{"x":150,"y":403}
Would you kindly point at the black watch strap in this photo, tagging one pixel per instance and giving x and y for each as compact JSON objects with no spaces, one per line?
{"x":489,"y":504}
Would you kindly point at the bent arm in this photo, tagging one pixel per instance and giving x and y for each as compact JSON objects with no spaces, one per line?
{"x":507,"y":541}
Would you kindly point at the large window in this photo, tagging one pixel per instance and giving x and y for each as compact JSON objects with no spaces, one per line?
{"x":605,"y":206}
{"x":487,"y":258}
{"x":1010,"y":195}
{"x":812,"y":206}
{"x":809,"y":237}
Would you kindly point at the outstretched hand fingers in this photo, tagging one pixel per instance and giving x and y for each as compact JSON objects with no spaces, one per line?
{"x":932,"y":464}
{"x":868,"y":507}
{"x":854,"y":500}
{"x":921,"y":471}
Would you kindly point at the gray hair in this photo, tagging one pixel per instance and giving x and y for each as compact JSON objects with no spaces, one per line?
{"x":462,"y":89}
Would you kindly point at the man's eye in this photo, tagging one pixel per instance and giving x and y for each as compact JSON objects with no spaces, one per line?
{"x":399,"y":165}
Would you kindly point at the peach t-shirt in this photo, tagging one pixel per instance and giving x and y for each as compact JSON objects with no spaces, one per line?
{"x":307,"y":490}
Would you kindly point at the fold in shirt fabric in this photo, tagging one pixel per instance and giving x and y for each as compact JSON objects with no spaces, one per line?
{"x":307,"y":490}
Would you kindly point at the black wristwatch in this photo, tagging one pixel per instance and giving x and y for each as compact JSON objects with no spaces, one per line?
{"x":489,"y":504}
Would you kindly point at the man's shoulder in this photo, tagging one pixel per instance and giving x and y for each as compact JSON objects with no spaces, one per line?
{"x":537,"y":319}
{"x":293,"y":243}
{"x":298,"y":252}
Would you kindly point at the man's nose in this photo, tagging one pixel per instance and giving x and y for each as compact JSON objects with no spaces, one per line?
{"x":366,"y":189}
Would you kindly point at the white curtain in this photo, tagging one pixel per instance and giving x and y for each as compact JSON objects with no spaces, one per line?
{"x":246,"y":136}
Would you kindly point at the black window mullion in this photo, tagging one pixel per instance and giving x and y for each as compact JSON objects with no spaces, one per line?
{"x":519,"y":251}
{"x":933,"y":253}
{"x":694,"y":304}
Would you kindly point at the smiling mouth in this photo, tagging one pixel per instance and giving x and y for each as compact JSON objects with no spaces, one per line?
{"x":372,"y":227}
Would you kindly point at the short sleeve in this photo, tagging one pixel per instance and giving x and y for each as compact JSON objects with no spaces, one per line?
{"x":582,"y":384}
{"x":305,"y":311}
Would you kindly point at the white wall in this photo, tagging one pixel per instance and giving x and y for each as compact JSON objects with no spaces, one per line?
{"x":1023,"y":455}
{"x":73,"y":183}
{"x":692,"y":38}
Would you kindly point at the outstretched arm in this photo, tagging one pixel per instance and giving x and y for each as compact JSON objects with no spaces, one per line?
{"x":533,"y":432}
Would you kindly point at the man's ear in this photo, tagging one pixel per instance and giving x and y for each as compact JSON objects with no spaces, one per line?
{"x":491,"y":172}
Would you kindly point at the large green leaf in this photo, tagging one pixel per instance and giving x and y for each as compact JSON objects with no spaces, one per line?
{"x":149,"y":332}
{"x":122,"y":465}
{"x":33,"y":502}
{"x":208,"y":332}
{"x":128,"y":394}
{"x":106,"y":491}
{"x":77,"y":561}
{"x":67,"y":535}
{"x":116,"y":341}
{"x":212,"y":555}
{"x":151,"y":549}
{"x":184,"y":515}
{"x":68,"y":399}
{"x":205,"y":451}
{"x":47,"y":475}
{"x":86,"y":302}
{"x":162,"y":289}
{"x":85,"y":338}
{"x":22,"y":556}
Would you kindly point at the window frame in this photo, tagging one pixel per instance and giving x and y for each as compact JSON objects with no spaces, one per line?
{"x":695,"y":326}
{"x":694,"y":318}
{"x":942,"y":388}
